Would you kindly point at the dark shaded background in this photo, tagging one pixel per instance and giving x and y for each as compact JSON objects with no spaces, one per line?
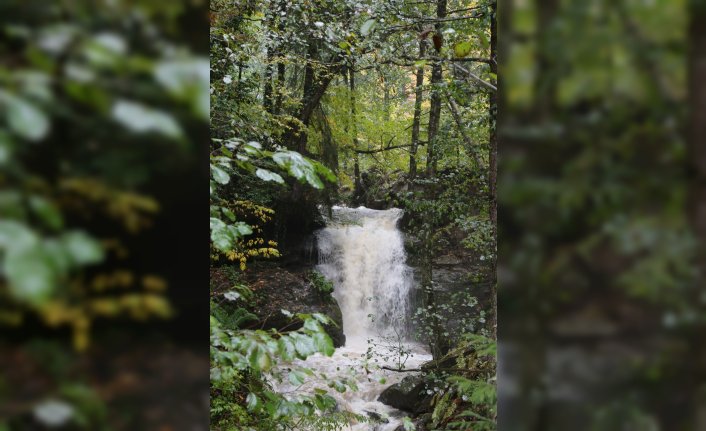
{"x":601,"y":215}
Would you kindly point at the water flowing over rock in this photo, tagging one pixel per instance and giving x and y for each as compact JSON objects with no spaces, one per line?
{"x":362,"y":252}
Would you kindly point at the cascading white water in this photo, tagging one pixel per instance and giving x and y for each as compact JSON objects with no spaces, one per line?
{"x":362,"y":252}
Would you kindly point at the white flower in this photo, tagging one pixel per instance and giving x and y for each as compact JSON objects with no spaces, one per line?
{"x":227,"y":79}
{"x":319,"y":24}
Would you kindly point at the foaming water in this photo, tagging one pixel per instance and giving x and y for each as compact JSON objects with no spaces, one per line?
{"x":362,"y":252}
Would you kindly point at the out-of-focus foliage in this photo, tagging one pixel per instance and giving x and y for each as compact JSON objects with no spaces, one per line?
{"x":596,"y":248}
{"x":71,"y":91}
{"x":98,"y":99}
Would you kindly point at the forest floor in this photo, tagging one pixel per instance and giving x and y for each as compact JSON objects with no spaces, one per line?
{"x":145,"y":384}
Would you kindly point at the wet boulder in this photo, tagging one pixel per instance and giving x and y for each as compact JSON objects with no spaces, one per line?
{"x":409,"y":395}
{"x":278,"y":289}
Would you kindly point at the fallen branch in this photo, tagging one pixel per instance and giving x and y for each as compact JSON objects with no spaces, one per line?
{"x":453,"y":370}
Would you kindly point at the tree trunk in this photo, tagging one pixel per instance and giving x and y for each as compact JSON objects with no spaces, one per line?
{"x":280,"y":65}
{"x":493,"y":166}
{"x":358,"y":191}
{"x":418,"y":95}
{"x":696,"y":202}
{"x":315,"y":86}
{"x":267,"y":93}
{"x":435,"y":108}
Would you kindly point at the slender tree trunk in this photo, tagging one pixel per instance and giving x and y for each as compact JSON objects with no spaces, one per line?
{"x":696,"y":203}
{"x":386,"y":96}
{"x":418,"y":95}
{"x":435,"y":108}
{"x":315,"y":86}
{"x":269,"y":73}
{"x":358,"y":192}
{"x":493,"y":167}
{"x":281,"y":69}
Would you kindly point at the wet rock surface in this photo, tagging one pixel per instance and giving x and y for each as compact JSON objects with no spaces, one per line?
{"x":408,"y":395}
{"x":278,"y":289}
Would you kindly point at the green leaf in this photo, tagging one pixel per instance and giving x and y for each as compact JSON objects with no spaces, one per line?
{"x":220,"y":175}
{"x":338,"y":386}
{"x":296,"y":378}
{"x":30,"y":274}
{"x":46,"y":211}
{"x":15,"y":235}
{"x":252,"y":401}
{"x":140,"y":118}
{"x":221,"y":237}
{"x":367,"y":27}
{"x":286,"y":348}
{"x":305,"y":345}
{"x":462,"y":49}
{"x":266,"y":175}
{"x":243,"y":228}
{"x":24,"y":118}
{"x":323,"y":343}
{"x":187,"y":79}
{"x":83,"y":249}
{"x":408,"y":424}
{"x":228,"y":213}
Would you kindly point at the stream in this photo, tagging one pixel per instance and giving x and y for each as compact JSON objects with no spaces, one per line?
{"x":362,"y":252}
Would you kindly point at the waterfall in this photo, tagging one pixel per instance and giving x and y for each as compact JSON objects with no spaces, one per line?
{"x":362,"y":252}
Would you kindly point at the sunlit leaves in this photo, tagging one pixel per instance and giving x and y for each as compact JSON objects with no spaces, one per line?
{"x":252,"y":401}
{"x":367,"y":27}
{"x":186,"y":79}
{"x":23,"y":117}
{"x":224,"y":236}
{"x":140,"y":118}
{"x":267,"y":175}
{"x":219,"y":174}
{"x":34,"y":266}
{"x":408,"y":424}
{"x":81,"y":248}
{"x":301,"y":168}
{"x":105,"y":49}
{"x":30,"y":274}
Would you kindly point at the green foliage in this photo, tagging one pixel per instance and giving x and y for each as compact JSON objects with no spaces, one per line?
{"x":321,"y":284}
{"x":469,"y":403}
{"x":281,"y":76}
{"x":235,"y":154}
{"x":231,"y":318}
{"x":241,"y":358}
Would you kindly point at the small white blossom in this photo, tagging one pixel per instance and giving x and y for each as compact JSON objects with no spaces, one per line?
{"x":319,"y":24}
{"x":227,"y":79}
